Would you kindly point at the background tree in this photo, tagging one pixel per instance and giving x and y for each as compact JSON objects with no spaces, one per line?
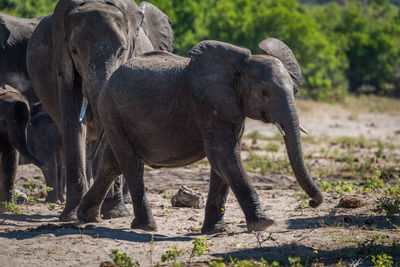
{"x":342,"y":46}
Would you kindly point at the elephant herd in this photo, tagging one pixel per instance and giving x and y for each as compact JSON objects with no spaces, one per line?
{"x":105,"y":74}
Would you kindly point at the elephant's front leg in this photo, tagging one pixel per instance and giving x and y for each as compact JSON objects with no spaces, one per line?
{"x":50,"y":176}
{"x":74,"y":146}
{"x":60,"y":177}
{"x":215,"y":207}
{"x":223,"y":152}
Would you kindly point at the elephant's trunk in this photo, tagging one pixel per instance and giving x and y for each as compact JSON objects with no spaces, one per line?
{"x":292,"y":139}
{"x":92,"y":86}
{"x":19,"y":140}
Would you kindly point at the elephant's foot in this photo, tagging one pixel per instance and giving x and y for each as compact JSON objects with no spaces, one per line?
{"x":6,"y":196}
{"x":219,"y":227}
{"x":114,"y":208}
{"x":53,"y":198}
{"x":68,"y":216}
{"x":146,"y":226}
{"x":259,"y":225}
{"x":87,"y":213}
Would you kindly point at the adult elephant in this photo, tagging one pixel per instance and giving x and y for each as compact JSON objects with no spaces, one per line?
{"x":163,"y":110}
{"x":14,"y":118}
{"x":71,"y":55}
{"x":14,"y":36}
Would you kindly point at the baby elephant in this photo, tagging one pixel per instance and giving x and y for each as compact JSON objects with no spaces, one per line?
{"x":14,"y":118}
{"x":44,"y":140}
{"x":165,"y":110}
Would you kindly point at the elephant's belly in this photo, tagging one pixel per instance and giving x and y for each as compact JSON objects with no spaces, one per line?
{"x":167,"y":152}
{"x":161,"y":147}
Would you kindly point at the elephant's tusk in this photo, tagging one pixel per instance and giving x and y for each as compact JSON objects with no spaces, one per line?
{"x":280,"y":128}
{"x":303,"y":130}
{"x":83,"y":109}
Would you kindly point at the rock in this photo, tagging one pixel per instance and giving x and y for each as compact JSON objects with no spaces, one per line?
{"x":187,"y":198}
{"x":21,"y":197}
{"x":107,"y":264}
{"x":351,"y":202}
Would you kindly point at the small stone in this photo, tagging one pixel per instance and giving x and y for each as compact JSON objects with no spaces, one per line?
{"x":351,"y":202}
{"x":107,"y":264}
{"x":42,"y":194}
{"x":187,"y":198}
{"x":21,"y":197}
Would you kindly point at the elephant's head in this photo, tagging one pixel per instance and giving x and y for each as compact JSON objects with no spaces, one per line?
{"x":236,"y":84}
{"x":93,"y":38}
{"x":14,"y":118}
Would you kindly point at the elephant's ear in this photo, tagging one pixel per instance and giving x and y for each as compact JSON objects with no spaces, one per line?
{"x":4,"y":32}
{"x":62,"y":61}
{"x":157,"y":26}
{"x":281,"y":51}
{"x":214,"y":72}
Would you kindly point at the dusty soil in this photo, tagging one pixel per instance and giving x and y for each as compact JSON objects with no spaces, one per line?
{"x":327,"y":235}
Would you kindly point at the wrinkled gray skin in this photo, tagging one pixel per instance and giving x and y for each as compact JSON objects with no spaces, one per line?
{"x":44,"y":140}
{"x":14,"y":118}
{"x":168,"y":111}
{"x":78,"y":47}
{"x":14,"y":37}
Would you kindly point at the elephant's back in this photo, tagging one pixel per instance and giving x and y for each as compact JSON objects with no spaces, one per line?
{"x":160,"y":62}
{"x":156,"y":75}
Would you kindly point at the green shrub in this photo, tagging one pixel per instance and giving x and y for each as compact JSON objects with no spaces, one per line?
{"x":382,"y":260}
{"x":122,"y":260}
{"x":389,"y":204}
{"x":264,"y":165}
{"x":11,"y":207}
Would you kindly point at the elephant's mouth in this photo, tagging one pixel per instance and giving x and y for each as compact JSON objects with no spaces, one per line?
{"x":265,"y":117}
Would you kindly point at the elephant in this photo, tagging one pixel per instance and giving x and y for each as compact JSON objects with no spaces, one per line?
{"x":165,"y":110}
{"x":78,"y":47}
{"x":44,"y":140}
{"x":14,"y":118}
{"x":14,"y":36}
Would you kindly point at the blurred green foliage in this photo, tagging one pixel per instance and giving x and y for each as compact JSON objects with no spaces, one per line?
{"x":342,"y":46}
{"x":27,"y":8}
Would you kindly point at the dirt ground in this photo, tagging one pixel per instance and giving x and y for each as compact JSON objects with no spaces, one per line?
{"x":328,"y":235}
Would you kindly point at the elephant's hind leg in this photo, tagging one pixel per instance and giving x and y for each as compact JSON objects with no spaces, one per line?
{"x":8,"y":168}
{"x":132,"y":168}
{"x":89,"y":209}
{"x":215,"y":207}
{"x":133,"y":171}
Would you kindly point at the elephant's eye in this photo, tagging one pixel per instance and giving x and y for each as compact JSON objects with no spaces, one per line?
{"x":264,"y":93}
